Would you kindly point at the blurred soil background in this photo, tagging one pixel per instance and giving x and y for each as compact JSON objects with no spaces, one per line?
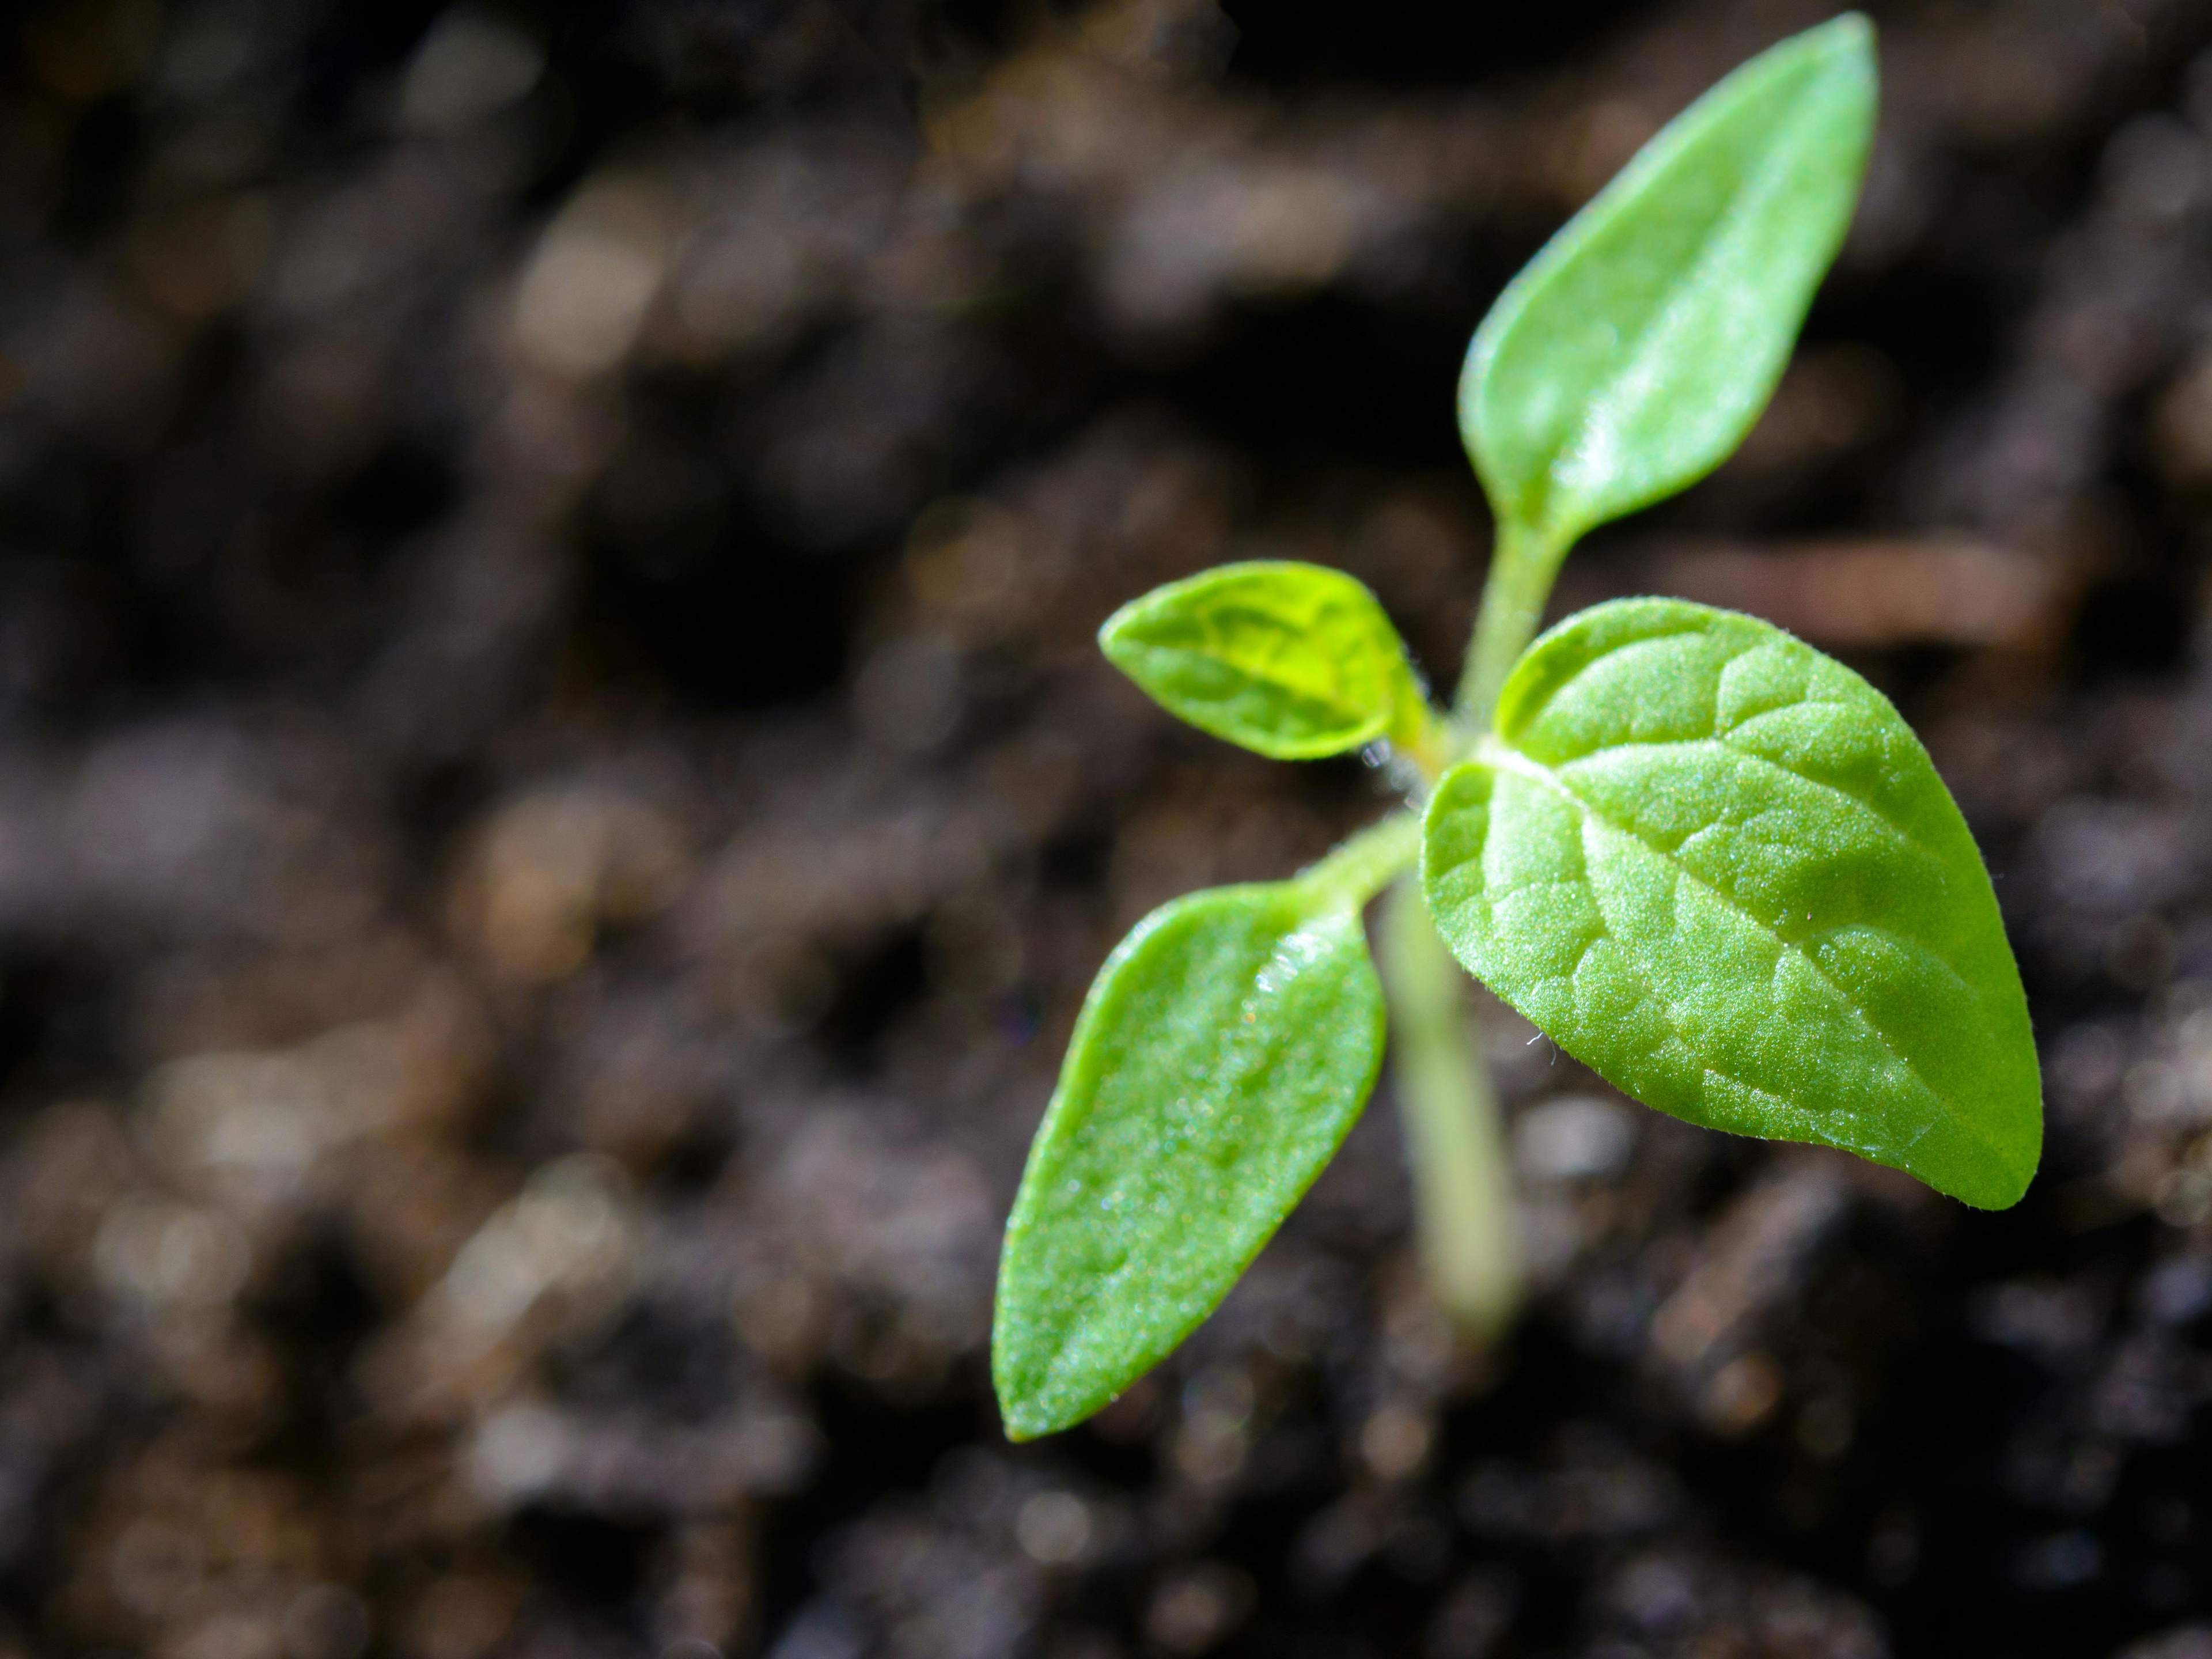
{"x":558,"y":804}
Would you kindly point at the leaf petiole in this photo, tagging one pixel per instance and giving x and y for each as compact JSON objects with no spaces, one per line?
{"x":1524,"y":565}
{"x":1363,"y":865}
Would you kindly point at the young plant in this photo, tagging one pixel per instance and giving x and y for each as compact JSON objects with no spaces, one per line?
{"x":1711,"y":863}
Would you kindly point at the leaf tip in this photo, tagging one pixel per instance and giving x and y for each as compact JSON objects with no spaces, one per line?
{"x":1113,"y":635}
{"x":1019,"y":1426}
{"x":1845,"y":44}
{"x":1022,"y":1411}
{"x":1028,"y":1418}
{"x":1851,"y":31}
{"x":1992,"y":1168}
{"x":1030,"y":1407}
{"x":1848,"y":34}
{"x":1999,"y":1194}
{"x":2002,"y":1183}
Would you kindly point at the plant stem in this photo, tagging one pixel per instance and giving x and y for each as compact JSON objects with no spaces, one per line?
{"x":1462,"y":1192}
{"x":1523,"y":564}
{"x":1362,"y":866}
{"x":1463,"y":1201}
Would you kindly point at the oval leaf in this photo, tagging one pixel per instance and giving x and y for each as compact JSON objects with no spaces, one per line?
{"x":1717,"y":867}
{"x":1633,"y":354}
{"x":1224,"y":1054}
{"x":1293,"y":660}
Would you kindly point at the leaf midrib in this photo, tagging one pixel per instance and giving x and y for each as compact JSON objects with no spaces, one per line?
{"x":1327,"y":694}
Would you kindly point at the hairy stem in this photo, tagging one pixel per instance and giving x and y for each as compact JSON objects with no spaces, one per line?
{"x":1523,"y":567}
{"x":1364,"y":865}
{"x":1463,"y":1191}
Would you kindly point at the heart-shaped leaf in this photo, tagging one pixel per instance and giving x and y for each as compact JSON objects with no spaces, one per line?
{"x":1293,"y":660}
{"x":1635,"y":351}
{"x":1717,"y":867}
{"x":1224,"y":1054}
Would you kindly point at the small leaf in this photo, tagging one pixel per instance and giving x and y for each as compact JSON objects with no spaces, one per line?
{"x":1224,"y":1054}
{"x":1633,"y":354}
{"x":1293,"y":660}
{"x":1718,"y":867}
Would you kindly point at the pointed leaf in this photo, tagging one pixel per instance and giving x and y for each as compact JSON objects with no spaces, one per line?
{"x":1717,"y":867}
{"x":1293,"y":660}
{"x":1224,"y":1054}
{"x":1633,"y":354}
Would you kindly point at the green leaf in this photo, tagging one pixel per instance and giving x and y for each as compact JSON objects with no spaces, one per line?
{"x":1293,"y":660}
{"x":1633,"y":354}
{"x":1224,"y":1054}
{"x":1717,"y":867}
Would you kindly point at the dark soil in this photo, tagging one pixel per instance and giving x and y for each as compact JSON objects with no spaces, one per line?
{"x":558,"y":804}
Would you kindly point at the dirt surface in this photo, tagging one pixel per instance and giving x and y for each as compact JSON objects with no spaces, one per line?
{"x":558,"y":804}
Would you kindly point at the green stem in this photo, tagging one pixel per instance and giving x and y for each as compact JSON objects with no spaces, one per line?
{"x":1463,"y":1201}
{"x":1364,"y":865}
{"x":1523,"y":564}
{"x":1463,"y":1191}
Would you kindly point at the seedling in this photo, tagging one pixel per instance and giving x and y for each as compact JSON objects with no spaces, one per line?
{"x":1706,"y":860}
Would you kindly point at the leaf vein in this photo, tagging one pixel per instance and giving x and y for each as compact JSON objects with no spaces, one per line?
{"x":1902,"y":835}
{"x":1521,"y":766}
